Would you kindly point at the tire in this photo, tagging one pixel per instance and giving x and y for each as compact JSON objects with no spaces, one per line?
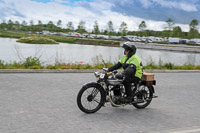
{"x":91,"y":98}
{"x":143,"y":94}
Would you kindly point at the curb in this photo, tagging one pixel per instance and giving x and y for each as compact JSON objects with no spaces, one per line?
{"x":85,"y":71}
{"x":47,"y":71}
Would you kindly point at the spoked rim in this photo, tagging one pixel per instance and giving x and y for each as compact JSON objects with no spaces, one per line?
{"x":143,"y":98}
{"x":91,"y":98}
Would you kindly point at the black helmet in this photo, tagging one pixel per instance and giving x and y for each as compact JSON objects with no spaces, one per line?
{"x":129,"y":46}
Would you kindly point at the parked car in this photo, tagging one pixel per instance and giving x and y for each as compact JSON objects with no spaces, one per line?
{"x":114,"y":37}
{"x":174,"y":40}
{"x":92,"y":36}
{"x":195,"y":40}
{"x":102,"y":36}
{"x":74,"y":34}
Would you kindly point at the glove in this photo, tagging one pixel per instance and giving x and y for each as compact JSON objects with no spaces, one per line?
{"x":119,"y":75}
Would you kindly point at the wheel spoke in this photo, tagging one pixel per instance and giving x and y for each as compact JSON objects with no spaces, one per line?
{"x":91,"y":98}
{"x":88,"y":92}
{"x":95,"y":92}
{"x":96,"y":100}
{"x":143,"y":93}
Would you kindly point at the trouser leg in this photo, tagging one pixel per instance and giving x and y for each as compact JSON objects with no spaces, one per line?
{"x":127,"y":84}
{"x":129,"y":93}
{"x":128,"y":89}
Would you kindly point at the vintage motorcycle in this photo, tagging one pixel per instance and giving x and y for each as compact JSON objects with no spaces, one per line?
{"x":92,"y":96}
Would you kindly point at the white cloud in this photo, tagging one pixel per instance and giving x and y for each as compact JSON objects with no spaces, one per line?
{"x":188,"y":7}
{"x":146,"y":3}
{"x":61,"y":1}
{"x":88,"y":12}
{"x":177,"y":5}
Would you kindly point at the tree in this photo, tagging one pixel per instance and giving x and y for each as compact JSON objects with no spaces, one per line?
{"x":10,"y":25}
{"x":194,"y":24}
{"x":39,"y":26}
{"x":177,"y":32}
{"x":105,"y":32}
{"x":24,"y":23}
{"x":81,"y":27}
{"x":142,"y":26}
{"x":3,"y":26}
{"x":70,"y":26}
{"x":123,"y":29}
{"x":39,"y":22}
{"x":24,"y":26}
{"x":50,"y":23}
{"x":110,"y":28}
{"x":170,"y":24}
{"x":168,"y":27}
{"x":31,"y":22}
{"x":59,"y":23}
{"x":32,"y":27}
{"x":96,"y":28}
{"x":193,"y":32}
{"x":16,"y":25}
{"x":10,"y":22}
{"x":50,"y":26}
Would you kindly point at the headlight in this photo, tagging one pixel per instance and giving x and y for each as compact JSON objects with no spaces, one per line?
{"x":97,"y":74}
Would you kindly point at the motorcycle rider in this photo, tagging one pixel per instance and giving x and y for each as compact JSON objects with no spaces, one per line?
{"x":132,"y":66}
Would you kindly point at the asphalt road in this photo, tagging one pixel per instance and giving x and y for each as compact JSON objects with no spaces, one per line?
{"x":46,"y":103}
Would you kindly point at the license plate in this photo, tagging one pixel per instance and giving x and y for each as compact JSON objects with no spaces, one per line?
{"x":102,"y":76}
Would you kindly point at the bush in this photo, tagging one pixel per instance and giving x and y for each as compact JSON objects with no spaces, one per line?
{"x":1,"y":64}
{"x":32,"y":61}
{"x":188,"y":67}
{"x":18,"y":65}
{"x":51,"y":67}
{"x":151,"y":66}
{"x":169,"y":66}
{"x":87,"y":66}
{"x":35,"y":67}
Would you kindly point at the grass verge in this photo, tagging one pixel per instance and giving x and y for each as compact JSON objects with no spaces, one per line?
{"x":34,"y":63}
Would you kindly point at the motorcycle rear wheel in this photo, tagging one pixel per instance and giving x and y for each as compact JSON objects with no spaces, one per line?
{"x":91,"y":98}
{"x":143,"y":97}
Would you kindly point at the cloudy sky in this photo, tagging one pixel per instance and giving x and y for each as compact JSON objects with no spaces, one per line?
{"x":153,"y":12}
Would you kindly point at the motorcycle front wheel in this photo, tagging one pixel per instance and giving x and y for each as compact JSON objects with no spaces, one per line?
{"x":91,"y":98}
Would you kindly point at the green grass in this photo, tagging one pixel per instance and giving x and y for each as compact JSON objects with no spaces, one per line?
{"x":34,"y":63}
{"x":21,"y":34}
{"x":170,"y":66}
{"x":13,"y":34}
{"x":84,"y":41}
{"x":36,"y":40}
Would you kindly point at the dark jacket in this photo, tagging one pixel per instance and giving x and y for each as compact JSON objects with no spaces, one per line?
{"x":132,"y":69}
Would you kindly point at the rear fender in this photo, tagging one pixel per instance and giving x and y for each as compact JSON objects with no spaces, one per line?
{"x":149,"y":84}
